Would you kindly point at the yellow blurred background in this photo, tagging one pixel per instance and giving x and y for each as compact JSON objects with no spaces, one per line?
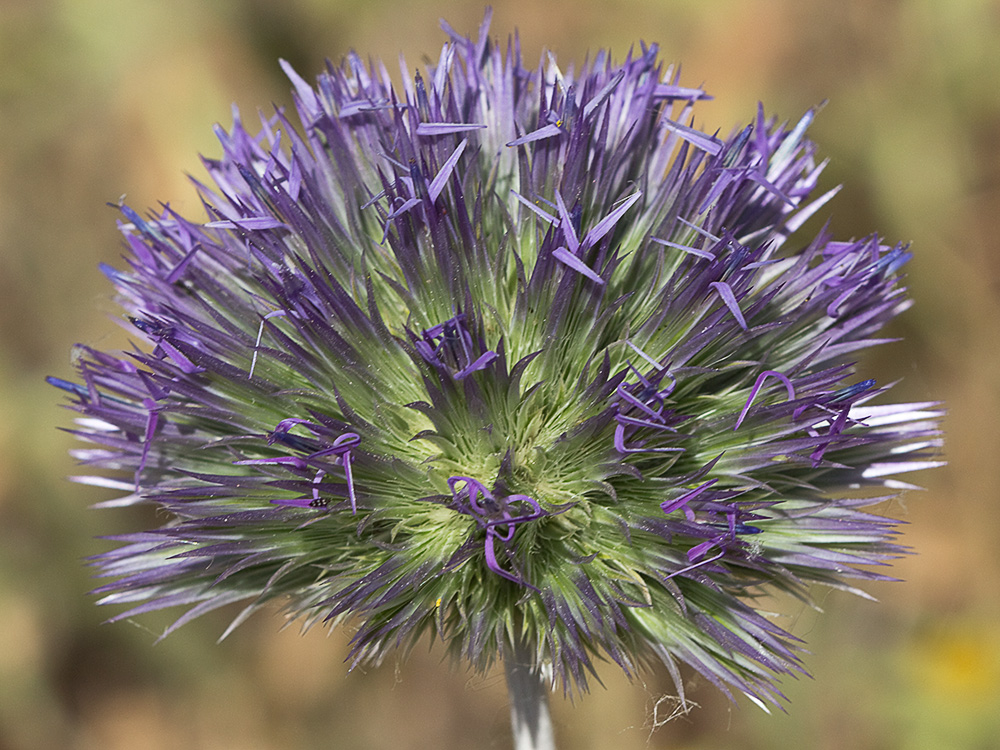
{"x":100,"y":98}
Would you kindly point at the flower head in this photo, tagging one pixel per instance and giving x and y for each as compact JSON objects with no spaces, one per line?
{"x":512,"y":357}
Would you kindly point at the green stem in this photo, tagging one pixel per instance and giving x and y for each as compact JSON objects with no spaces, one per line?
{"x":529,"y":701}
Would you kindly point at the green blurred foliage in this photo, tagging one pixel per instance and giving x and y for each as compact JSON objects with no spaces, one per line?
{"x":100,"y":98}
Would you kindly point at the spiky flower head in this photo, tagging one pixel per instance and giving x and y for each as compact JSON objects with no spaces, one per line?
{"x":515,"y":357}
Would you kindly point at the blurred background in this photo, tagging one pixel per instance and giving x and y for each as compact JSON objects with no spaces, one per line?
{"x":104,"y":98}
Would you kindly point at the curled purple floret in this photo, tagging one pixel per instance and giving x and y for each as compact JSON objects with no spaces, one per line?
{"x":758,"y":384}
{"x":318,"y":454}
{"x":450,"y":345}
{"x":499,"y":516}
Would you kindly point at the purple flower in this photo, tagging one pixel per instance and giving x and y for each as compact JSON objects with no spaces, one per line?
{"x":517,"y":358}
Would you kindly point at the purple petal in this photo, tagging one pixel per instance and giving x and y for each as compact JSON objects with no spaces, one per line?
{"x":537,"y":135}
{"x":686,"y":248}
{"x":601,"y":96}
{"x":707,"y":143}
{"x":255,"y":223}
{"x":726,"y":293}
{"x":668,"y":91}
{"x":443,"y":128}
{"x":566,"y":224}
{"x":538,"y":211}
{"x":305,"y":93}
{"x":562,"y":254}
{"x":438,"y":183}
{"x":606,"y":224}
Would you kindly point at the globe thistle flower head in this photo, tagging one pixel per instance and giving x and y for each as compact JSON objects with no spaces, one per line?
{"x":517,"y":358}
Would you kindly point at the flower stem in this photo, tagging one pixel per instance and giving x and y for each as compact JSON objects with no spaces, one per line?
{"x":529,"y":701}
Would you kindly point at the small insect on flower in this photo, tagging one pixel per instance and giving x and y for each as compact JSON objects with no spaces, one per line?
{"x":515,"y":357}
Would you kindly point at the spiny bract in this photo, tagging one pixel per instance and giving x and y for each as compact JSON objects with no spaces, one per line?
{"x":509,"y":356}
